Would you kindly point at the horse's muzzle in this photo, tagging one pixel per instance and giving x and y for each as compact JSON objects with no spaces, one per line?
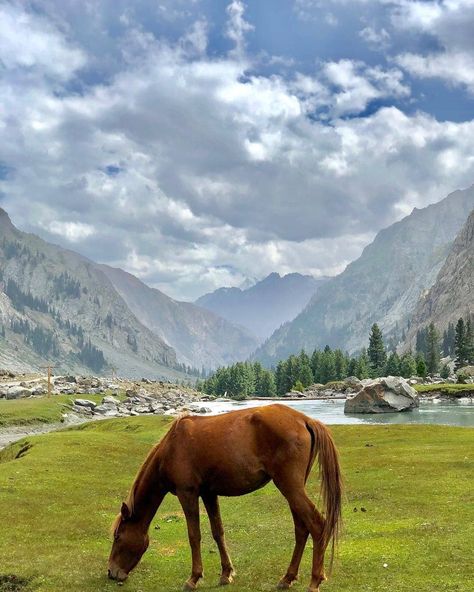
{"x":117,"y":574}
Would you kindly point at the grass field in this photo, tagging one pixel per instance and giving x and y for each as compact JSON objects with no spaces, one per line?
{"x":37,"y":410}
{"x":59,"y":493}
{"x":455,"y":390}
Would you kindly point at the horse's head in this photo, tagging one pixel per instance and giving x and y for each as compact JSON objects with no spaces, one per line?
{"x":130,"y":542}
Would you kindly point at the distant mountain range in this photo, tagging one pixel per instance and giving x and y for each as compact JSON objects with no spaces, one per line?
{"x":59,"y":307}
{"x":383,"y":285}
{"x":200,"y":337}
{"x":264,"y":306}
{"x":452,"y":294}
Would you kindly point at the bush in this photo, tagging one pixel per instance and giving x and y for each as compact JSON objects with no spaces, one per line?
{"x":298,"y":386}
{"x":444,"y":372}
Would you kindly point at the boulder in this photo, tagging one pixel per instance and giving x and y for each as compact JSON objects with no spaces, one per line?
{"x":383,"y":395}
{"x":17,"y":392}
{"x":106,"y":409}
{"x":109,"y":400}
{"x":353,"y":382}
{"x":85,"y":403}
{"x":466,"y":371}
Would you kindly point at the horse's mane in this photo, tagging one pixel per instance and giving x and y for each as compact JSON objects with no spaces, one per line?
{"x":143,"y":469}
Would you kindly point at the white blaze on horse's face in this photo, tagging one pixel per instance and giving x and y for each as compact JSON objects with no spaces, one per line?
{"x":128,"y":547}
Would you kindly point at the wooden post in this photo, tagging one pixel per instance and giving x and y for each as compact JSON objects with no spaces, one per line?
{"x":49,"y":381}
{"x":49,"y":368}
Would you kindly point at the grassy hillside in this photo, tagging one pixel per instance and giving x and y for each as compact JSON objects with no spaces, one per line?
{"x":59,"y":494}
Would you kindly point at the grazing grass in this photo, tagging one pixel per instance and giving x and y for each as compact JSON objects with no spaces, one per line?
{"x":454,"y":390}
{"x":36,"y":410}
{"x":408,"y":513}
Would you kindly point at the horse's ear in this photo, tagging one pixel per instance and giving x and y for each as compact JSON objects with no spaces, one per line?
{"x":125,"y":511}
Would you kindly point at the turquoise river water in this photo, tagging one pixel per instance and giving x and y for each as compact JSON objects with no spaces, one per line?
{"x":332,"y":412}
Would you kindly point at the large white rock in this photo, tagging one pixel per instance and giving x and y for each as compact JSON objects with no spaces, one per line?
{"x":383,"y":395}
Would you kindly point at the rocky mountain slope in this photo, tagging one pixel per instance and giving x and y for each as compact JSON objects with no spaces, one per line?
{"x":263,"y":307}
{"x":382,"y":286}
{"x":200,"y":337}
{"x":452,"y":294}
{"x":58,"y":307}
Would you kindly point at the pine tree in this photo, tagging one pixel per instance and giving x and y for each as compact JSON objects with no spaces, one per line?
{"x":448,"y":340}
{"x":432,"y":349}
{"x":362,"y":366}
{"x":316,"y":365}
{"x":407,"y":365}
{"x":352,"y":367}
{"x":393,"y":365}
{"x":328,"y":367}
{"x":421,"y":369}
{"x":305,"y":374}
{"x":469,"y":342}
{"x":444,"y":372}
{"x":340,"y":364}
{"x":376,"y":352}
{"x":460,"y":345}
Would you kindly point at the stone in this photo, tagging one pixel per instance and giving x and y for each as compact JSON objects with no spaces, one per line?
{"x":109,"y":410}
{"x":383,"y":395}
{"x":109,"y":400}
{"x":353,"y":382}
{"x":466,"y":371}
{"x":17,"y":392}
{"x":85,"y":403}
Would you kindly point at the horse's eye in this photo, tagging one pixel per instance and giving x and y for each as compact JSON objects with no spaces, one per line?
{"x":116,"y":536}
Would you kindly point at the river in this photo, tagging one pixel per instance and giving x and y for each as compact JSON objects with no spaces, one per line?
{"x":332,"y":412}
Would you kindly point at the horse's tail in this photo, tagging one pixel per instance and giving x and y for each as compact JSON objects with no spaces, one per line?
{"x":323,"y":446}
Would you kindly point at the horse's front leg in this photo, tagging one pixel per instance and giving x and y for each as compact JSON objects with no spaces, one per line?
{"x":212,"y":507}
{"x":190,"y":504}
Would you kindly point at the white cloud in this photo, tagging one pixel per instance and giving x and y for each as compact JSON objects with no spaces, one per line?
{"x":357,"y":85}
{"x":193,"y":169}
{"x":451,"y":23}
{"x":237,"y":27}
{"x":456,"y":68}
{"x":376,"y":39}
{"x":31,"y":42}
{"x":71,"y":231}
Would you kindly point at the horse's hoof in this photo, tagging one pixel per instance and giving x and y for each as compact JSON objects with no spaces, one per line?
{"x":283,"y":585}
{"x":189,"y":586}
{"x":225,"y":580}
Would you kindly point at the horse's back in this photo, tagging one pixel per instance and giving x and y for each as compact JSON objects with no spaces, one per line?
{"x":239,"y":451}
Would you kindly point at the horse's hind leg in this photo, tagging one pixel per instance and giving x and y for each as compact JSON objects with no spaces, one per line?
{"x":301,"y":506}
{"x":190,"y":504}
{"x":212,"y":507}
{"x":301,"y":536}
{"x":314,"y":522}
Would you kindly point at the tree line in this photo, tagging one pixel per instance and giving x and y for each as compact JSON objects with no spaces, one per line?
{"x":327,"y":365}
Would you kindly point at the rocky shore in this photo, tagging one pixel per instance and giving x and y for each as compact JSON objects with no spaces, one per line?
{"x":121,"y":397}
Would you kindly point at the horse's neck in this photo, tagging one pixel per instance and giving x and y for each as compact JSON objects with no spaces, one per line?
{"x":148,"y":491}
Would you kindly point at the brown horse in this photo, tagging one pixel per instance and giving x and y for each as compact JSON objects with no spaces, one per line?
{"x":233,"y":454}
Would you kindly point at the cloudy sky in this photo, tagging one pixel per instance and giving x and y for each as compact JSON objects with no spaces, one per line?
{"x":197,"y":143}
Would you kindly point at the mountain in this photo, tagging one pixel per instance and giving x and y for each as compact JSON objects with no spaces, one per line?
{"x":200,"y":337}
{"x":382,"y":286}
{"x":58,"y":307}
{"x":264,"y":306}
{"x":452,"y":294}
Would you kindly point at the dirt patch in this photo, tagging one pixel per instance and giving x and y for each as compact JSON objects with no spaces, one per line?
{"x":13,"y":583}
{"x":23,"y":450}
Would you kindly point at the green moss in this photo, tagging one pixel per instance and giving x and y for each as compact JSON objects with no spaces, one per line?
{"x":58,"y":499}
{"x":453,"y":390}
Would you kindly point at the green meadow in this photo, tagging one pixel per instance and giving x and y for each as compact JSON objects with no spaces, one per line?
{"x":408,"y":514}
